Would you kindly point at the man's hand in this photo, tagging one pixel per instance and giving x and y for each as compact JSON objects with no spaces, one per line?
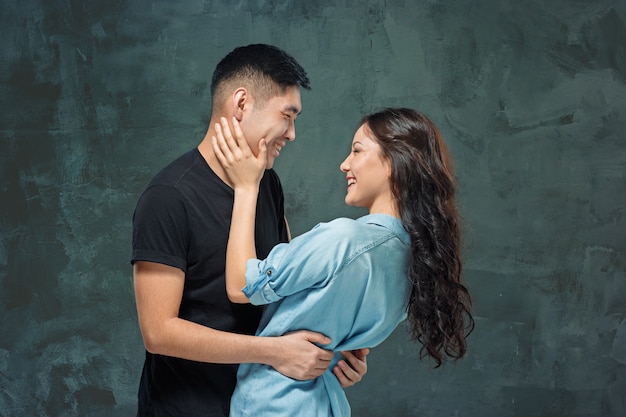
{"x":353,"y":371}
{"x":297,"y":356}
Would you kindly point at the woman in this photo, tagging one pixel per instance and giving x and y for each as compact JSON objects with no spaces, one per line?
{"x":353,"y":280}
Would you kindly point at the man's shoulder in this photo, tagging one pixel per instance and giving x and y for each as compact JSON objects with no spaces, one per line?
{"x":176,"y":170}
{"x":174,"y":183}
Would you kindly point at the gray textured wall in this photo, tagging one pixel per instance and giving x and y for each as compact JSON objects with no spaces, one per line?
{"x":96,"y":96}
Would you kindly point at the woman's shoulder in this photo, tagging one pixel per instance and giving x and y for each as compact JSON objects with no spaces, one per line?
{"x":338,"y":225}
{"x":330,"y":232}
{"x":343,"y":230}
{"x":372,"y":223}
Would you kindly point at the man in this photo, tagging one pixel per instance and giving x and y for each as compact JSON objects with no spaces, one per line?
{"x":194,"y":337}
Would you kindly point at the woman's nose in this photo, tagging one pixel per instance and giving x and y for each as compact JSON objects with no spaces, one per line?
{"x":345,"y":166}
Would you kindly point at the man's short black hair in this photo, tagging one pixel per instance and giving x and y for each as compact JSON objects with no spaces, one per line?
{"x":257,"y":64}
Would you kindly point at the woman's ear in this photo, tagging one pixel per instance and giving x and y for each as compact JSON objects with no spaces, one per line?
{"x":389,"y":167}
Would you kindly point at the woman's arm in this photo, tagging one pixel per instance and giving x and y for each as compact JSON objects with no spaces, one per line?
{"x":245,"y":171}
{"x":240,"y":243}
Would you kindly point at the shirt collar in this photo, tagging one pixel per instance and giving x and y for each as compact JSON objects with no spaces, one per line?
{"x":388,"y":222}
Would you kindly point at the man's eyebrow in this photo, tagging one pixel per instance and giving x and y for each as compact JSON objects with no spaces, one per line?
{"x":292,"y":109}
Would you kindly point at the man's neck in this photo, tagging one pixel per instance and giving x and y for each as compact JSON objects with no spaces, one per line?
{"x":206,"y":150}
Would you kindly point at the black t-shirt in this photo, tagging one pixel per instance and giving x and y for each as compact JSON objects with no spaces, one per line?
{"x":182,"y":219}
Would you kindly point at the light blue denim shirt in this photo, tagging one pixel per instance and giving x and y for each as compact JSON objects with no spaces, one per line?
{"x":346,"y":279}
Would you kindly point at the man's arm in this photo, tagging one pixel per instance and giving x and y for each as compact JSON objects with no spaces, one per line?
{"x":158,"y":293}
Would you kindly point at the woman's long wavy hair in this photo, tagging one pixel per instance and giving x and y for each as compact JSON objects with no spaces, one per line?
{"x":423,"y":184}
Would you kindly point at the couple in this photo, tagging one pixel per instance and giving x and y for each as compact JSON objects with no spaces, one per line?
{"x":349,"y":283}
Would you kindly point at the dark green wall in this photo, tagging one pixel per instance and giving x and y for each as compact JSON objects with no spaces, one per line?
{"x":96,"y":96}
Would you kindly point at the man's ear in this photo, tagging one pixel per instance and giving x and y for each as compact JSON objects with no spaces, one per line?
{"x":241,"y":102}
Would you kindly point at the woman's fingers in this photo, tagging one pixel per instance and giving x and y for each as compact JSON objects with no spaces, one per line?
{"x":242,"y":143}
{"x":231,"y":147}
{"x":217,"y":150}
{"x":262,"y":152}
{"x":221,"y":150}
{"x":221,"y":140}
{"x":228,"y":138}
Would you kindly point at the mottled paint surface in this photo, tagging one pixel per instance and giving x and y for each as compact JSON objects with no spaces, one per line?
{"x":96,"y":96}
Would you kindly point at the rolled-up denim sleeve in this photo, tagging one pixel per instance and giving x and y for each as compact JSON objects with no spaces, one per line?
{"x":258,"y":288}
{"x":262,"y":277}
{"x":306,"y":262}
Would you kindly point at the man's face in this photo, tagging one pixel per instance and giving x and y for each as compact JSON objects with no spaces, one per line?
{"x":274,"y":121}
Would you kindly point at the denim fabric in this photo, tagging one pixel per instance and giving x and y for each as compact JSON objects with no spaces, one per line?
{"x":346,"y":279}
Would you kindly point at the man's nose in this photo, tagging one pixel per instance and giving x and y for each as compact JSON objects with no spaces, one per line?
{"x":290,"y":134}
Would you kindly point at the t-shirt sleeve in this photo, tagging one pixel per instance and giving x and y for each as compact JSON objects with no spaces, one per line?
{"x":160,"y":232}
{"x":308,"y":261}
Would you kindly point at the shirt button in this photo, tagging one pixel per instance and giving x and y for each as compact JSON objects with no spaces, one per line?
{"x":269,"y":272}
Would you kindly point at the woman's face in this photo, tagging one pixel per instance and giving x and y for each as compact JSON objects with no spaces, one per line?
{"x":368,"y":175}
